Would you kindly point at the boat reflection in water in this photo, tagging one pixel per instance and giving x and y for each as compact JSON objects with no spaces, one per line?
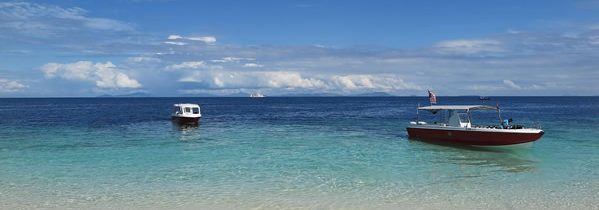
{"x":185,"y":127}
{"x":186,"y":132}
{"x":511,"y":160}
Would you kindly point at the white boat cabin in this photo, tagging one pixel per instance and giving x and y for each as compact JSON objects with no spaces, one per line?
{"x":187,"y":110}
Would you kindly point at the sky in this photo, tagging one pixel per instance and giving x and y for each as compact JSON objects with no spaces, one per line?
{"x":223,"y":48}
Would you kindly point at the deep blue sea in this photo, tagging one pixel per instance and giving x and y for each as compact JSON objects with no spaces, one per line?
{"x":287,"y":153}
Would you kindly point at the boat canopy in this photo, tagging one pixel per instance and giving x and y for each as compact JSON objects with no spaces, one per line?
{"x":437,"y":108}
{"x":186,"y":105}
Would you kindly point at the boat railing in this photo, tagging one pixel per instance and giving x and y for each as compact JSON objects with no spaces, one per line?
{"x":487,"y":126}
{"x":492,"y":126}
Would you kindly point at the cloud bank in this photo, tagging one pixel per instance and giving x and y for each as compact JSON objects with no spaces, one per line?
{"x":38,"y":20}
{"x":553,"y":61}
{"x":8,"y":86}
{"x":105,"y":75}
{"x":293,"y":81}
{"x":469,"y":46}
{"x":204,"y":39}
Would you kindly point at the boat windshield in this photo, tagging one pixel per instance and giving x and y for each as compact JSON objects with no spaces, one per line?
{"x":177,"y":110}
{"x":484,"y":119}
{"x":196,"y":110}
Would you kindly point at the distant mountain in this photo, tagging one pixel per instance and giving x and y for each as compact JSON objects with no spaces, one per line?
{"x":244,"y":94}
{"x":136,"y":94}
{"x":374,"y":94}
{"x":309,"y":95}
{"x":240,"y":94}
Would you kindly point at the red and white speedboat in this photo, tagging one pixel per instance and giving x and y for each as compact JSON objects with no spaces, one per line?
{"x":454,"y":126}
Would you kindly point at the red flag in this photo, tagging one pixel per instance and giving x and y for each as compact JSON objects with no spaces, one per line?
{"x":432,"y":97}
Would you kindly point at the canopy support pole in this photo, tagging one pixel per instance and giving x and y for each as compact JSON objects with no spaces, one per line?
{"x":418,"y":115}
{"x":499,"y":115}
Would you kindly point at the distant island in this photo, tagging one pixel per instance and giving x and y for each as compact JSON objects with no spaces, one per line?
{"x":136,"y":94}
{"x":245,"y":94}
{"x":374,"y":94}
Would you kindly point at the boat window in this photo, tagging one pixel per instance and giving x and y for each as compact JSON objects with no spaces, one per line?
{"x":187,"y":110}
{"x":196,"y":110}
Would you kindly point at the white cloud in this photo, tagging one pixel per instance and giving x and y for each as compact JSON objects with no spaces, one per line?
{"x":511,"y":84}
{"x":289,"y":80}
{"x":73,"y":71}
{"x":107,"y":24}
{"x":187,"y":65}
{"x":295,"y":80}
{"x":353,"y":82}
{"x":191,"y":65}
{"x":44,"y":21}
{"x":205,"y":39}
{"x":109,"y":77}
{"x":105,"y":75}
{"x":11,"y":86}
{"x":231,"y":59}
{"x":505,"y":85}
{"x":175,"y":43}
{"x":174,"y":37}
{"x":570,"y":35}
{"x":143,"y":59}
{"x":382,"y":82}
{"x":252,"y":65}
{"x":267,"y":79}
{"x":512,"y":31}
{"x":484,"y":88}
{"x":469,"y":46}
{"x":594,"y":40}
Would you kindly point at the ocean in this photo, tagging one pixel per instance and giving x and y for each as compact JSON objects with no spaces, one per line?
{"x":287,"y":153}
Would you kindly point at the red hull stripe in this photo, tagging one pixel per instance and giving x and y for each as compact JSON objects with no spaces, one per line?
{"x":472,"y":137}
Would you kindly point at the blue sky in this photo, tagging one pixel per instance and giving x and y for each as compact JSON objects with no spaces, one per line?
{"x":173,"y":48}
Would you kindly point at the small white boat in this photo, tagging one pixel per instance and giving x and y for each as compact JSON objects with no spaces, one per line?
{"x":186,"y":113}
{"x":257,"y":95}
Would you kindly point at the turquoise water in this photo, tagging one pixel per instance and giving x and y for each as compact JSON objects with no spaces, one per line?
{"x":287,"y":153}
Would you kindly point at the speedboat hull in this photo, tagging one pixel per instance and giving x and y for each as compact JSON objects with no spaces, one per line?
{"x":474,"y":136}
{"x":185,"y":120}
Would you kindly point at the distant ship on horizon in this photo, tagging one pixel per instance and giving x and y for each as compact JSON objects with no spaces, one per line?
{"x":257,"y":95}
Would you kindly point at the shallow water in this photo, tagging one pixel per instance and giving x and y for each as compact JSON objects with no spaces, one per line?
{"x":287,"y":153}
